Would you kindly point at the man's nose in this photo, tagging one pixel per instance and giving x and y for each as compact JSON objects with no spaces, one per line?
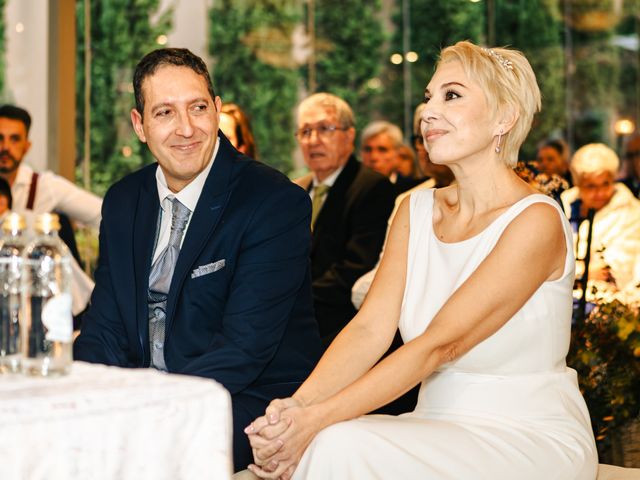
{"x":314,"y":136}
{"x":185,"y":126}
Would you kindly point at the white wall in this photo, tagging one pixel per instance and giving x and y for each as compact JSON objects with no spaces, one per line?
{"x":26,"y":73}
{"x":190,"y":20}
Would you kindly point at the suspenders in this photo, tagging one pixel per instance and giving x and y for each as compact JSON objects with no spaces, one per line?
{"x":32,"y":191}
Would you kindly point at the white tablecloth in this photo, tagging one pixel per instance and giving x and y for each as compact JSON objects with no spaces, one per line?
{"x":110,"y":423}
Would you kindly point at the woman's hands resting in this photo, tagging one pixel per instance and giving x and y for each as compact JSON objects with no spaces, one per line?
{"x":280,"y":437}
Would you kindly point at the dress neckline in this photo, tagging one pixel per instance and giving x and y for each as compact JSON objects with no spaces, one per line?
{"x":485,"y":229}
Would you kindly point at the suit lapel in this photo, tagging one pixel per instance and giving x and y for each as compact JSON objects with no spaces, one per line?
{"x":211,"y":204}
{"x":335,"y":201}
{"x":144,"y":232}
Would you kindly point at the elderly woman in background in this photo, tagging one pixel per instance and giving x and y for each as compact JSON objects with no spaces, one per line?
{"x":478,"y":276}
{"x":235,"y":125}
{"x":615,"y":244}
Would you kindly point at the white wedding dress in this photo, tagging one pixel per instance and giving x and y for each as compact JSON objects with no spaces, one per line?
{"x":507,"y":409}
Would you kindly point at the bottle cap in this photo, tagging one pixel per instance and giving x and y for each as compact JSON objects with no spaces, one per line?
{"x":13,"y":222}
{"x":47,"y":223}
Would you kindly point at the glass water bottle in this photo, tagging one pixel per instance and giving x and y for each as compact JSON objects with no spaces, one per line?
{"x":47,"y":322}
{"x":11,"y":249}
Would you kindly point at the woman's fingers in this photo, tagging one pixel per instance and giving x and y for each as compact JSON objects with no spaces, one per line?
{"x":257,"y":425}
{"x":282,"y":467}
{"x":273,"y":431}
{"x":269,"y":450}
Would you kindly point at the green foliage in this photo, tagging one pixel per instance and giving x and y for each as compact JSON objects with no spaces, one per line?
{"x":434,"y":25}
{"x":535,"y":28}
{"x":121,"y":34}
{"x":2,"y":45}
{"x":251,"y":43}
{"x":351,"y":38}
{"x":605,"y":351}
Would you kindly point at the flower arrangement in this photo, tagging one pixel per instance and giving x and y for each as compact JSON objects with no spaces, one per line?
{"x":605,"y":351}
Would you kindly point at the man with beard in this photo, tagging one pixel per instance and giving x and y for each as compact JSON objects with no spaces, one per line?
{"x":34,"y":193}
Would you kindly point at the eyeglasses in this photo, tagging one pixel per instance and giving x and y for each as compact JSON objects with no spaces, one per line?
{"x":324,"y":132}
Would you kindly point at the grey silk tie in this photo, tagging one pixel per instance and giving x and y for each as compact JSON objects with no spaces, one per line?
{"x":160,"y":280}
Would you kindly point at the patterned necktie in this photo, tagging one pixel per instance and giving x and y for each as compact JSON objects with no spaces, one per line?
{"x":319,"y":193}
{"x":160,"y":280}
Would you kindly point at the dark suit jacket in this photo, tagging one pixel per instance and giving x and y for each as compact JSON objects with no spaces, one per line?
{"x":347,"y":239}
{"x":249,"y":325}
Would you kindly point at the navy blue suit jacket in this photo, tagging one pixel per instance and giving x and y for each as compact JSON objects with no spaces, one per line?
{"x":248,"y":325}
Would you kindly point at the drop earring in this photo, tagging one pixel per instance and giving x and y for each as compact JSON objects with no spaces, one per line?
{"x":499,"y":139}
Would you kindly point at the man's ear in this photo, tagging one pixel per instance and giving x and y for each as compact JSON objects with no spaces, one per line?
{"x":351,"y":135}
{"x":136,"y":121}
{"x":27,"y":146}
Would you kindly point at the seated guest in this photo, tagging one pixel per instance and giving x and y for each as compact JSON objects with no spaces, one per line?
{"x":380,"y":149}
{"x":235,"y":125}
{"x":34,"y":193}
{"x":203,"y":266}
{"x":351,"y":204}
{"x":552,"y":159}
{"x":632,"y":156}
{"x":406,"y":162}
{"x":439,"y":176}
{"x":615,"y":244}
{"x":478,"y":276}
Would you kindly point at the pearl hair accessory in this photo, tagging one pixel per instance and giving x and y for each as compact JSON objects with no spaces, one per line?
{"x":507,"y":64}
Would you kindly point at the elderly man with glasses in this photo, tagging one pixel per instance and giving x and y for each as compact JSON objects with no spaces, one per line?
{"x":351,"y":205}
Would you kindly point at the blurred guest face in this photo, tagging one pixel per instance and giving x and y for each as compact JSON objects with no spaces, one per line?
{"x":180,"y":123}
{"x":228,"y":126}
{"x":405,"y":166}
{"x":325,"y":145}
{"x":596,"y":190}
{"x":380,"y":154}
{"x":550,"y":161}
{"x":13,"y":144}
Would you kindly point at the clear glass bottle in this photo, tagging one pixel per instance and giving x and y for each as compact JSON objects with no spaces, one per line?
{"x":11,"y":248}
{"x":47,"y":323}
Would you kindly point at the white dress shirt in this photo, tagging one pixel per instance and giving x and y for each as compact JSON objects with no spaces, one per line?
{"x":54,"y":192}
{"x":329,"y":181}
{"x":188,"y":196}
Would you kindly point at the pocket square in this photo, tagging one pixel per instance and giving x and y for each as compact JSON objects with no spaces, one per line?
{"x":208,"y":268}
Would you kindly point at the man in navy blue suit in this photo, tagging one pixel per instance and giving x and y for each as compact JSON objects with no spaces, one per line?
{"x":236,"y":304}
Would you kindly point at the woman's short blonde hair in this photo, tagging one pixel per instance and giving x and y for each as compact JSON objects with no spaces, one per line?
{"x":594,"y":158}
{"x":509,"y":83}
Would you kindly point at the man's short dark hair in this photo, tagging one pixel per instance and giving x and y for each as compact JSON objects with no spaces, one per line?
{"x":177,"y":57}
{"x":16,"y":113}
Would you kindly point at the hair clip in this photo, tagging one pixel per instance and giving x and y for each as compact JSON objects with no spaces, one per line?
{"x":507,"y":64}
